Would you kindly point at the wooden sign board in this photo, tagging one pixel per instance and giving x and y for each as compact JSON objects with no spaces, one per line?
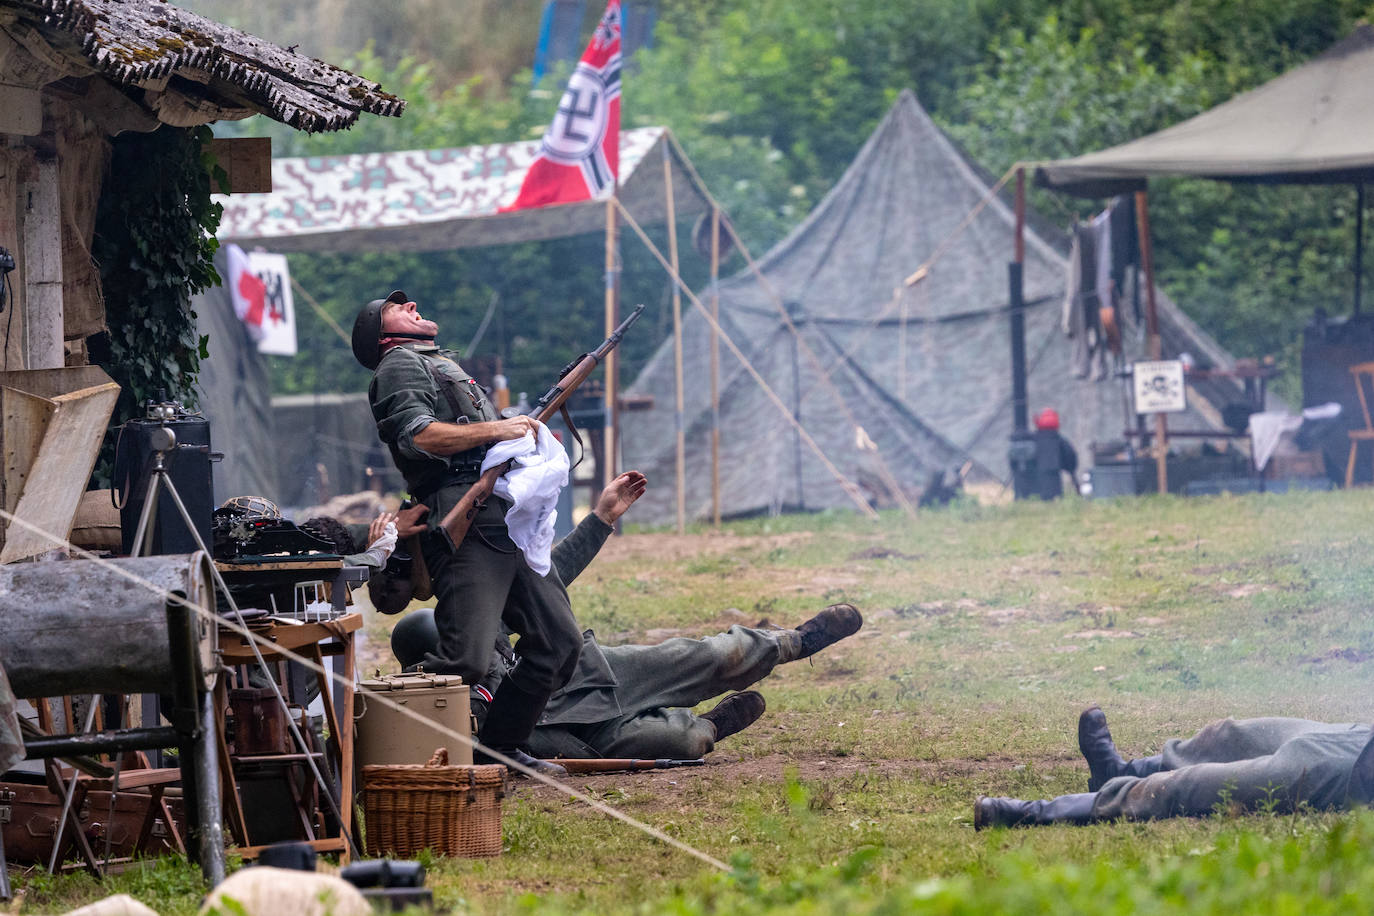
{"x":1159,"y":387}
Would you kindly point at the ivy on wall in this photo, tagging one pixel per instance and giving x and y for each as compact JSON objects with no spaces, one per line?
{"x":154,"y":244}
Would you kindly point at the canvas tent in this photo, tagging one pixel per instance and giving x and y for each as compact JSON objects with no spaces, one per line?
{"x":1314,"y":123}
{"x":1311,"y":125}
{"x":420,"y":200}
{"x":925,"y":372}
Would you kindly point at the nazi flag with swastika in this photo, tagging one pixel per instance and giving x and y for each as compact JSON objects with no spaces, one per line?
{"x":580,"y":154}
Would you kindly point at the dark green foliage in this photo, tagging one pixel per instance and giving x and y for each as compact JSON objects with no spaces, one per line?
{"x":154,"y":244}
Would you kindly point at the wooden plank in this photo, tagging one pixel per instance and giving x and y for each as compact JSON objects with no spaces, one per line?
{"x":235,"y":649}
{"x":42,"y":254}
{"x":59,"y":472}
{"x":23,"y":420}
{"x":247,"y":161}
{"x":22,"y":112}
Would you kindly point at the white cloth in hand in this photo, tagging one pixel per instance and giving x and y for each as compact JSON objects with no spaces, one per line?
{"x":380,"y":549}
{"x":539,"y":471}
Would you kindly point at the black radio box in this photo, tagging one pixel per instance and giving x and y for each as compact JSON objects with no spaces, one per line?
{"x":189,"y":470}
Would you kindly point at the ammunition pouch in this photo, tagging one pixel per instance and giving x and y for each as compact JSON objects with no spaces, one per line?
{"x":463,"y":469}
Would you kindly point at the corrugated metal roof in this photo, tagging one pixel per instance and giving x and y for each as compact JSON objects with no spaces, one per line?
{"x":143,"y":43}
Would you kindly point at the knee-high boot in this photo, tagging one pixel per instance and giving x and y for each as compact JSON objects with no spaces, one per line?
{"x":511,"y":717}
{"x":1013,"y":812}
{"x":1098,"y":749}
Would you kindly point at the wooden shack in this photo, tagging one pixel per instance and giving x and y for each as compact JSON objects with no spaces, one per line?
{"x":73,"y":75}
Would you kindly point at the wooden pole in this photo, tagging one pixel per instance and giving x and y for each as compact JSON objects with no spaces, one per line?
{"x":42,"y":262}
{"x":1156,"y":349}
{"x":1019,"y":412}
{"x":608,"y":447}
{"x":715,"y":366}
{"x":677,"y":343}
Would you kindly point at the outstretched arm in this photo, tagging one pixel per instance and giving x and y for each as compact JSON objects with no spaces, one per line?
{"x":572,"y":554}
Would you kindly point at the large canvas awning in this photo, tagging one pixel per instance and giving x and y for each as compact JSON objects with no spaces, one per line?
{"x":1314,"y":123}
{"x":442,"y":199}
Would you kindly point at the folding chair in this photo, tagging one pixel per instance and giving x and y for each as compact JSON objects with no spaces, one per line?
{"x":1363,"y":374}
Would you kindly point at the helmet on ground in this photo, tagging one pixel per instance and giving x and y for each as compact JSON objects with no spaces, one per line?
{"x":249,"y":507}
{"x":415,"y":636}
{"x":367,"y":329}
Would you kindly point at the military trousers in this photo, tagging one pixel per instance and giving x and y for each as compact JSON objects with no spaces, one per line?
{"x":487,"y":581}
{"x":1251,"y":764}
{"x":656,"y":684}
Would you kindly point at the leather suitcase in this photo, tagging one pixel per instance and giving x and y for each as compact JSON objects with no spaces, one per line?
{"x":29,"y":813}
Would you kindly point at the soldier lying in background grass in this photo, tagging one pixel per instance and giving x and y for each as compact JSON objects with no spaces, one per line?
{"x":630,"y":701}
{"x":1276,"y":764}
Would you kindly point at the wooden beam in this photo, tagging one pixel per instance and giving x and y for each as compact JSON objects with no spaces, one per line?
{"x":42,"y":254}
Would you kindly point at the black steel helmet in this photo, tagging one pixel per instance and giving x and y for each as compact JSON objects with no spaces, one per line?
{"x":367,"y":329}
{"x":414,"y":636}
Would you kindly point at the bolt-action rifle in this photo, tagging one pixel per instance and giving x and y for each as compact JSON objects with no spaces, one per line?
{"x":577,"y":765}
{"x":459,"y":519}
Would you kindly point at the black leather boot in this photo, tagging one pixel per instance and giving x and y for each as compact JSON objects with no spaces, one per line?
{"x":829,"y":627}
{"x":1095,"y":743}
{"x":1104,"y":761}
{"x":1013,"y":812}
{"x":511,"y":717}
{"x":735,"y":713}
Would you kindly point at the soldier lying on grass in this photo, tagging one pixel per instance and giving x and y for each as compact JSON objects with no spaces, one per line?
{"x":1250,"y":764}
{"x":632,"y":701}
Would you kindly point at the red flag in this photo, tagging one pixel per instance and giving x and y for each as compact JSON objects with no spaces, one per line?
{"x":580,"y":155}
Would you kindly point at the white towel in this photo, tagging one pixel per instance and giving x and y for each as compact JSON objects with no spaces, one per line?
{"x":532,"y":484}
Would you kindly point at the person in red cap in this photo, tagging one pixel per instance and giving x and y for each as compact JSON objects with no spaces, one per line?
{"x":1054,"y":455}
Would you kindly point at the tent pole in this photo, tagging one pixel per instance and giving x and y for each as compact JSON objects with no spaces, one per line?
{"x":715,"y":366}
{"x":608,"y":447}
{"x":1359,"y":242}
{"x":1018,"y":315}
{"x":1021,"y":455}
{"x":1156,"y":348}
{"x":677,"y":342}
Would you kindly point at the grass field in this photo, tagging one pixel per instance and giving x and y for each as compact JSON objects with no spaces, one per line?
{"x":987,"y":630}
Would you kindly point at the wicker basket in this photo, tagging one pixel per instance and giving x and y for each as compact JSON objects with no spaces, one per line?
{"x":454,"y":810}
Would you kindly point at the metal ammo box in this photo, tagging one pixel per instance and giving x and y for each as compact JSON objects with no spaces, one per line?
{"x":384,"y":735}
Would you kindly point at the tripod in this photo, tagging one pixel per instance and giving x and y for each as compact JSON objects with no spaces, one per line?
{"x":163,"y":441}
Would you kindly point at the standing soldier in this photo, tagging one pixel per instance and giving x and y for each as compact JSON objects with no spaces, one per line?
{"x":438,"y":423}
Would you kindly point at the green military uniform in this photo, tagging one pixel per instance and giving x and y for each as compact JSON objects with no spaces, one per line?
{"x":629,"y":701}
{"x":486,"y":581}
{"x":1246,"y":762}
{"x":1251,"y":764}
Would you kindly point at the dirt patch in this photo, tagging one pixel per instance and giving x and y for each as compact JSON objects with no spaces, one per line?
{"x":1104,"y":634}
{"x":660,"y":547}
{"x":1341,"y":654}
{"x":670,"y":790}
{"x":882,"y":553}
